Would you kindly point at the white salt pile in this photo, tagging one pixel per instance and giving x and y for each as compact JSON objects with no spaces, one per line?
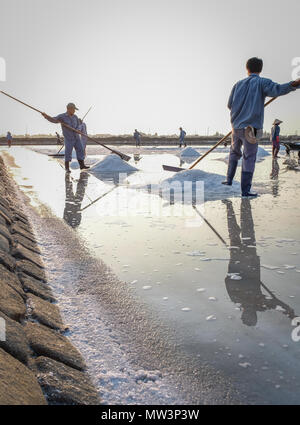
{"x":261,"y":154}
{"x":212,"y":181}
{"x":112,"y":164}
{"x":190,"y":153}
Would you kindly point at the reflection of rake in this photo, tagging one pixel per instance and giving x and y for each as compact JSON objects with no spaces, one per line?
{"x":97,"y":199}
{"x":210,"y":226}
{"x":224,"y":243}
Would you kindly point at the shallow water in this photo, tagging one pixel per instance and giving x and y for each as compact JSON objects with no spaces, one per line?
{"x":221,"y":293}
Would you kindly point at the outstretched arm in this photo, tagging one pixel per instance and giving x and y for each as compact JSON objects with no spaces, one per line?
{"x":48,"y":118}
{"x":272,"y":89}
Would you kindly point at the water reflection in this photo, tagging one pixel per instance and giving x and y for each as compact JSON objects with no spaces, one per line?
{"x":274,"y":177}
{"x":243,"y":282}
{"x":72,"y":211}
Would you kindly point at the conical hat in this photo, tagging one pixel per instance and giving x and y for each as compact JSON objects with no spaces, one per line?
{"x":277,"y":122}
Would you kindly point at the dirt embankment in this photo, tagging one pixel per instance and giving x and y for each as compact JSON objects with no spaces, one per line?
{"x":38,"y":363}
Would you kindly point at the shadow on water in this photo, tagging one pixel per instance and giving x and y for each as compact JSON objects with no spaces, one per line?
{"x":72,"y":211}
{"x":243,"y":281}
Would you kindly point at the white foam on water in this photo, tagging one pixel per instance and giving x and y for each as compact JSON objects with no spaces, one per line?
{"x":195,"y":253}
{"x":211,"y":317}
{"x":112,"y":164}
{"x":269,"y":267}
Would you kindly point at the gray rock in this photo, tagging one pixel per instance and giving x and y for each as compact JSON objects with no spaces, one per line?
{"x":4,"y":244}
{"x":4,"y":202}
{"x":25,"y":225}
{"x":5,"y":232}
{"x":11,"y":303}
{"x":36,"y":287}
{"x":45,"y":312}
{"x":25,"y":242}
{"x":19,"y":251}
{"x":65,"y":385}
{"x":15,"y":228}
{"x":5,"y":218}
{"x":7,"y":260}
{"x":18,"y":385}
{"x":12,"y":280}
{"x":49,"y":343}
{"x":16,"y":342}
{"x":4,"y":213}
{"x":31,"y":269}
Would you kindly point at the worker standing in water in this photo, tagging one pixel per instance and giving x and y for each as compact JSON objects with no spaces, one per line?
{"x":137,"y":138}
{"x":275,"y":131}
{"x":182,"y":137}
{"x":9,"y":139}
{"x":72,"y":139}
{"x":83,"y":129}
{"x":246,"y":104}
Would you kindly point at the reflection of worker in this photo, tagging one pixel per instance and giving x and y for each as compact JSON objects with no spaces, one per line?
{"x":245,"y":263}
{"x":72,"y":213}
{"x":274,"y":176}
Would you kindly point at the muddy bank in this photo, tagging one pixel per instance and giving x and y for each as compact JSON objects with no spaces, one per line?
{"x":128,"y":140}
{"x":38,"y":363}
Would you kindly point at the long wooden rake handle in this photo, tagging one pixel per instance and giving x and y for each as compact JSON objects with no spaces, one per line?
{"x":222,"y":140}
{"x":123,"y":156}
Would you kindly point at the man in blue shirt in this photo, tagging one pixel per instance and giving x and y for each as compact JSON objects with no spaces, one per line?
{"x":246,"y":104}
{"x":137,"y":138}
{"x":72,"y":139}
{"x":181,"y":137}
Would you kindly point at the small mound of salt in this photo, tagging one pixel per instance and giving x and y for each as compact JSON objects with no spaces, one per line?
{"x":111,"y":164}
{"x":190,"y":153}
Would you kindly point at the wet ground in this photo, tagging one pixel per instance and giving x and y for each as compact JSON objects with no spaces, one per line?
{"x":168,"y":307}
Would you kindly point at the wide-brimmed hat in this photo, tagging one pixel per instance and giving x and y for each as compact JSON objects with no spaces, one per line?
{"x":277,"y":122}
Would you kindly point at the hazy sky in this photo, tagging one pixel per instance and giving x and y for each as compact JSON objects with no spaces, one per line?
{"x":147,"y":64}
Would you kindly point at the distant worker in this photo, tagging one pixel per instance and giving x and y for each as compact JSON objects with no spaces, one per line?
{"x":137,"y":138}
{"x":275,"y":131}
{"x":246,"y":104}
{"x":59,"y":140}
{"x":182,"y":137}
{"x":83,"y":129}
{"x":9,"y":139}
{"x":72,"y":139}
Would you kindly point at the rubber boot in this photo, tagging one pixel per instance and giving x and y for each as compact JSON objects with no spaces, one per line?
{"x":82,"y":165}
{"x":232,"y":166}
{"x":246,"y":182}
{"x":67,"y":166}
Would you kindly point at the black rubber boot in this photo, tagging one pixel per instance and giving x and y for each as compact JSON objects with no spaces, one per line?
{"x":82,"y":165}
{"x":246,"y":183}
{"x":67,"y":166}
{"x":232,"y":166}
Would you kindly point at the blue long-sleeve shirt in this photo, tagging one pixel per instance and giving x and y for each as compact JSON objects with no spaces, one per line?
{"x":72,"y":121}
{"x":247,"y":98}
{"x":275,"y":132}
{"x":182,"y":134}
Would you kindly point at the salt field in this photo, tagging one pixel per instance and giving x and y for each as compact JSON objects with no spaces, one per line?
{"x":171,"y":302}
